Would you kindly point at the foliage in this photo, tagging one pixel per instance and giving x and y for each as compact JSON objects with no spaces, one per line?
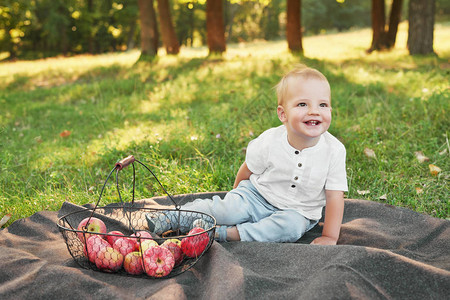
{"x":47,"y":28}
{"x":320,"y":16}
{"x":190,"y":20}
{"x":42,"y":28}
{"x":14,"y":20}
{"x":65,"y":121}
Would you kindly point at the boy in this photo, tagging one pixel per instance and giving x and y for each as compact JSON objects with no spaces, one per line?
{"x":289,"y":174}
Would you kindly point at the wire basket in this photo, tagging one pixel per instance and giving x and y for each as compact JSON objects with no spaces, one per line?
{"x":118,"y":238}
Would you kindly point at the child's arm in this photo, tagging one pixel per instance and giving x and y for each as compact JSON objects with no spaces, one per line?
{"x":334,"y":211}
{"x":243,"y":174}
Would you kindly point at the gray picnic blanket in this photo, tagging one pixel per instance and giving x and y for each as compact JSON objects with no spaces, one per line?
{"x":384,"y":252}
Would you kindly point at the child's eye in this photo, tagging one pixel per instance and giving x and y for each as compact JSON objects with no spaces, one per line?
{"x":302,"y":104}
{"x":323,"y":105}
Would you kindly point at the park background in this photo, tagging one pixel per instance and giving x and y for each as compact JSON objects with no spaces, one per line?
{"x":77,"y":94}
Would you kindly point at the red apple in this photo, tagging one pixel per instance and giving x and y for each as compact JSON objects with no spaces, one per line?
{"x":125,"y":245}
{"x":93,"y":245}
{"x":193,"y":246}
{"x":158,"y":261}
{"x":147,"y":244}
{"x":109,"y":259}
{"x":95,"y":225}
{"x":133,"y":263}
{"x":112,"y":238}
{"x":174,"y":245}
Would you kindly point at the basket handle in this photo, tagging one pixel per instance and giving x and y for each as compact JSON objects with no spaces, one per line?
{"x":130,"y":160}
{"x":125,"y":162}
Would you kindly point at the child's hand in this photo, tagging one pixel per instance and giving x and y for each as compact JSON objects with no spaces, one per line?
{"x":324,"y":240}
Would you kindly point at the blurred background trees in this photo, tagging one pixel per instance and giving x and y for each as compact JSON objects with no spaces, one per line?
{"x":40,"y":28}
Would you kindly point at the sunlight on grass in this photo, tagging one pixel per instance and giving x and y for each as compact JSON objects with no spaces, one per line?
{"x":338,"y":47}
{"x":353,"y":45}
{"x":59,"y":70}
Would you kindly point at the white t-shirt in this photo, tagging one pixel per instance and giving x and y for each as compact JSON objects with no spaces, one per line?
{"x":291,"y":179}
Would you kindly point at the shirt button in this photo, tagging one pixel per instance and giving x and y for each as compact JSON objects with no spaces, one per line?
{"x":297,"y":152}
{"x":293,"y":186}
{"x":299,"y":165}
{"x":296,"y":178}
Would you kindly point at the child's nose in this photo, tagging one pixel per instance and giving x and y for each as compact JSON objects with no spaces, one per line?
{"x":313,"y":110}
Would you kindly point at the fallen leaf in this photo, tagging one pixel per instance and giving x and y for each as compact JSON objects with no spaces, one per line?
{"x":363,"y":192}
{"x":434,"y":170}
{"x":443,"y":152}
{"x":384,"y":197}
{"x":5,"y":219}
{"x":65,"y":133}
{"x":420,"y":157}
{"x":419,"y":190}
{"x":369,"y":153}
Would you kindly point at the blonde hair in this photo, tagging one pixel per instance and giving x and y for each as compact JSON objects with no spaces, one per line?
{"x":299,"y":72}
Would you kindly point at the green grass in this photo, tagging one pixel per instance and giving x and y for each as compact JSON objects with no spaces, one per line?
{"x":190,"y":118}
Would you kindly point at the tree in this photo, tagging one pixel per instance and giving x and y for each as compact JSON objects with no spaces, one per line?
{"x":394,"y":20}
{"x":149,"y":30}
{"x":383,"y":37}
{"x":12,"y":21}
{"x":378,"y":24}
{"x":270,"y":22}
{"x":293,"y":26}
{"x":215,"y":29}
{"x":168,"y":35}
{"x":421,"y":26}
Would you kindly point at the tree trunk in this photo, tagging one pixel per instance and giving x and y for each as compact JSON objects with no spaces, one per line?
{"x":378,"y":26}
{"x":149,"y":30}
{"x":394,"y":20}
{"x":130,"y":35}
{"x":293,"y":26}
{"x":168,"y":35}
{"x":232,"y":9}
{"x":421,"y":26}
{"x":215,"y":30}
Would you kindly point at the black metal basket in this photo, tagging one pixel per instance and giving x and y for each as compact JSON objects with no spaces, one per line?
{"x":102,"y":238}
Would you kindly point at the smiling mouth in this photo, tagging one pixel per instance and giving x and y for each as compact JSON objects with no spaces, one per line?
{"x":312,"y":123}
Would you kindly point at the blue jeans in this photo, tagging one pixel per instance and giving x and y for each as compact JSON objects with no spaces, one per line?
{"x":254,"y":218}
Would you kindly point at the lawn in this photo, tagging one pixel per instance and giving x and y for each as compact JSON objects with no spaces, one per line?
{"x":66,"y":121}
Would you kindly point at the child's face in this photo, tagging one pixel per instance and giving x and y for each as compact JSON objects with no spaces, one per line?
{"x":306,"y":111}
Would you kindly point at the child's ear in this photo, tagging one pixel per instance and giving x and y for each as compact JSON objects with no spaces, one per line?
{"x":281,"y":114}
